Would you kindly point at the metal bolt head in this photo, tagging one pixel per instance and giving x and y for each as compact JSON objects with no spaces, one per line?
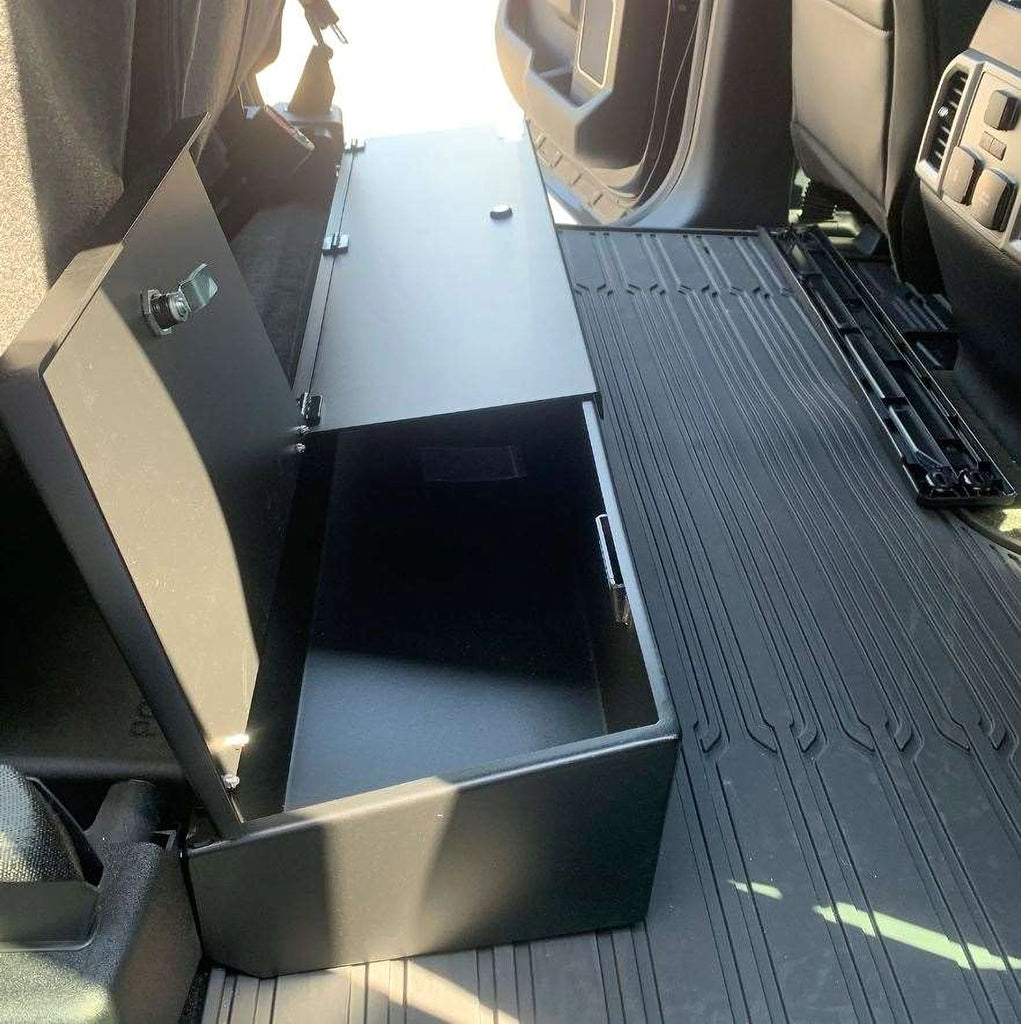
{"x":178,"y":306}
{"x":501,"y":212}
{"x":299,"y":449}
{"x":231,"y":781}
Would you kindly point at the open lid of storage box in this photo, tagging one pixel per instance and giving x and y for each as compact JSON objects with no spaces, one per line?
{"x":168,"y":460}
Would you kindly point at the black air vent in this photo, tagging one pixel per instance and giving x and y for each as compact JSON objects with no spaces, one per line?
{"x":949,"y":103}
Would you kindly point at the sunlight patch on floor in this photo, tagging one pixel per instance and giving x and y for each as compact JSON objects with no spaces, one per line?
{"x":758,"y":888}
{"x":875,"y":924}
{"x":966,"y":955}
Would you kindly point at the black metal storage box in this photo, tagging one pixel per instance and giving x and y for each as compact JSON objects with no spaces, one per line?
{"x":402,"y":656}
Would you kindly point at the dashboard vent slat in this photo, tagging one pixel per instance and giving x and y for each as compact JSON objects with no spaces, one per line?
{"x":946,"y":111}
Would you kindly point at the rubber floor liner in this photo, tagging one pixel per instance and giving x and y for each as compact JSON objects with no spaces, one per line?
{"x":843,"y":841}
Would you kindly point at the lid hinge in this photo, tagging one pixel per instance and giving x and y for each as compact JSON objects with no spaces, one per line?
{"x":311,"y":408}
{"x":335,"y":243}
{"x":614,"y":582}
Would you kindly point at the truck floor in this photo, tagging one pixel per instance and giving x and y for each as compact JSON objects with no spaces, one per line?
{"x":843,"y":840}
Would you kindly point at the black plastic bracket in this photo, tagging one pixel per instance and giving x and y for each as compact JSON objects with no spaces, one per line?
{"x":942,"y":457}
{"x":334,"y":244}
{"x":311,"y":408}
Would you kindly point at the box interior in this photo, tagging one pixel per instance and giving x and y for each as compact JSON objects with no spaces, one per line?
{"x":461,"y":612}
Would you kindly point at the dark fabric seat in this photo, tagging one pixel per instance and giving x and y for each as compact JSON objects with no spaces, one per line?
{"x":87,"y":88}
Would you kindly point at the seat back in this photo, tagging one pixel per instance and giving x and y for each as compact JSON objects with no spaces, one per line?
{"x":864,"y":72}
{"x":65,"y":71}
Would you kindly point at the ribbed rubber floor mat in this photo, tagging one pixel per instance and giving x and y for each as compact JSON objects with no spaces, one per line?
{"x":843,"y":842}
{"x":576,"y":980}
{"x":845,"y":665}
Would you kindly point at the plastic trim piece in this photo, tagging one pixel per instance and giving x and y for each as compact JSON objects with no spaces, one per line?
{"x":941,"y":456}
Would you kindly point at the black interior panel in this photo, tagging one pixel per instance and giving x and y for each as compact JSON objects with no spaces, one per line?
{"x":460,"y":617}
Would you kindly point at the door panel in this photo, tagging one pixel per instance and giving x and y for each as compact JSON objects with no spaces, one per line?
{"x":672,"y":112}
{"x":582,"y":72}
